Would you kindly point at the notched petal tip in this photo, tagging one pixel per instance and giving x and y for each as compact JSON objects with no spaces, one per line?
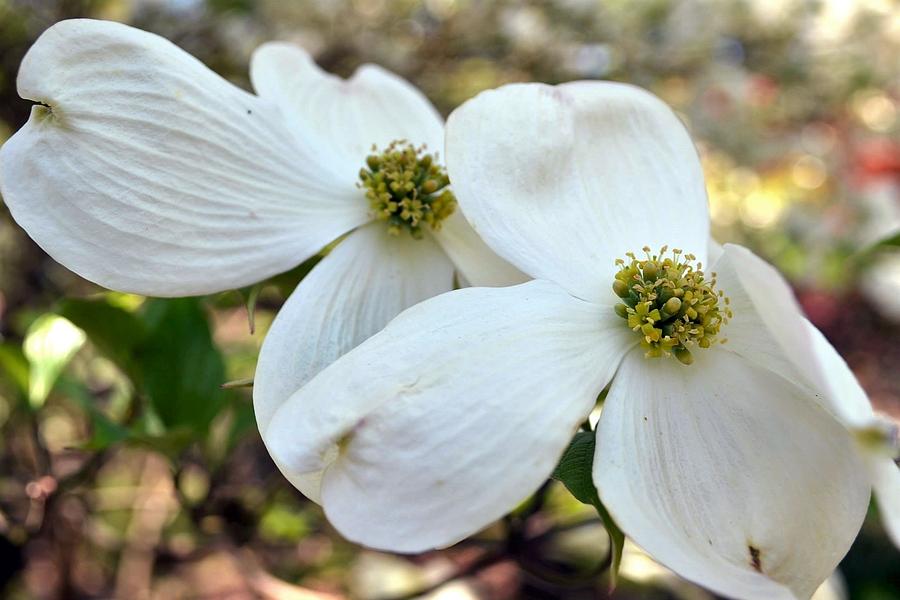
{"x":309,"y":455}
{"x":755,"y":558}
{"x":171,"y":195}
{"x":43,"y":112}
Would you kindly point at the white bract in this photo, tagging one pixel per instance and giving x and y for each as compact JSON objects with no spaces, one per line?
{"x":727,"y":464}
{"x":145,"y":172}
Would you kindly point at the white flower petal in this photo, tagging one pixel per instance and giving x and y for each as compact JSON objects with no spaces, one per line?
{"x":366,"y":281}
{"x":728,"y":474}
{"x":767,"y":326}
{"x":841,"y":391}
{"x":456,"y":412}
{"x":475,"y":261}
{"x":563,"y":180}
{"x":374,"y":106}
{"x":151,"y":174}
{"x":886,"y":484}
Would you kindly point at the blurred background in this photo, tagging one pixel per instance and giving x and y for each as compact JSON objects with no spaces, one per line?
{"x":127,"y":471}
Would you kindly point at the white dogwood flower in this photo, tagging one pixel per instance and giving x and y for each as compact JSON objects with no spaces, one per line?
{"x":143,"y":171}
{"x":714,"y":451}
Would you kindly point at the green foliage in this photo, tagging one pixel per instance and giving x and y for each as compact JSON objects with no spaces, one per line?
{"x":14,"y":366}
{"x":890,"y":242}
{"x":115,"y":332}
{"x":182,"y":371}
{"x":49,"y":345}
{"x":575,"y":471}
{"x":282,"y":522}
{"x":104,"y":430}
{"x":166,"y":350}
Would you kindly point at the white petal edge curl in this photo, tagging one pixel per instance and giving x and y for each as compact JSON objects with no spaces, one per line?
{"x":452,"y":415}
{"x":847,"y":400}
{"x":841,"y":391}
{"x":475,"y":262}
{"x":561,"y":181}
{"x":374,"y":106}
{"x":149,"y":173}
{"x":768,"y":328}
{"x":698,"y":465}
{"x":367,"y":280}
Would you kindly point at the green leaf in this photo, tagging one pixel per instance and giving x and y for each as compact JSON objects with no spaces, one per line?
{"x":50,"y":343}
{"x":865,"y":256}
{"x":181,"y":367}
{"x":575,"y":471}
{"x":14,"y":364}
{"x":104,"y":431}
{"x":891,"y":241}
{"x":114,"y":331}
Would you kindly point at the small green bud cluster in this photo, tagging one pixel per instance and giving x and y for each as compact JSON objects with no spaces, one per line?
{"x":669,"y":303}
{"x":407,"y":188}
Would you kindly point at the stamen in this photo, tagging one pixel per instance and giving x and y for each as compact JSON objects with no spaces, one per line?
{"x":407,"y":188}
{"x":669,"y":303}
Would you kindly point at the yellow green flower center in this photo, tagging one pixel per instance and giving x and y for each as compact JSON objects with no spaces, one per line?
{"x":670,"y":303}
{"x":407,"y":188}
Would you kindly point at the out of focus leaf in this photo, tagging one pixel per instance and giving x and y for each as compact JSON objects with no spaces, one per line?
{"x":182,"y":371}
{"x":889,"y":242}
{"x":575,"y":471}
{"x":283,"y":523}
{"x":244,"y":421}
{"x":50,"y":343}
{"x":865,"y":257}
{"x":114,"y":331}
{"x":105,"y":431}
{"x":171,"y":443}
{"x":15,"y":366}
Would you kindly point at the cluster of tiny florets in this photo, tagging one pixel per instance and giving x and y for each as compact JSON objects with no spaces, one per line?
{"x":670,"y":303}
{"x":407,"y":188}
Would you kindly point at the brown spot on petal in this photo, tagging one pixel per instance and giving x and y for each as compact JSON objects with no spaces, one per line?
{"x":755,"y":561}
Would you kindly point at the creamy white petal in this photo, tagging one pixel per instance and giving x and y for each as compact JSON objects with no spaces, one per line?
{"x":563,"y":180}
{"x":366,"y":281}
{"x":475,"y":262}
{"x":149,"y":173}
{"x":886,"y":485}
{"x":728,"y":474}
{"x":452,"y":415}
{"x":840,"y":390}
{"x":374,"y":106}
{"x":767,"y":326}
{"x":363,"y":283}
